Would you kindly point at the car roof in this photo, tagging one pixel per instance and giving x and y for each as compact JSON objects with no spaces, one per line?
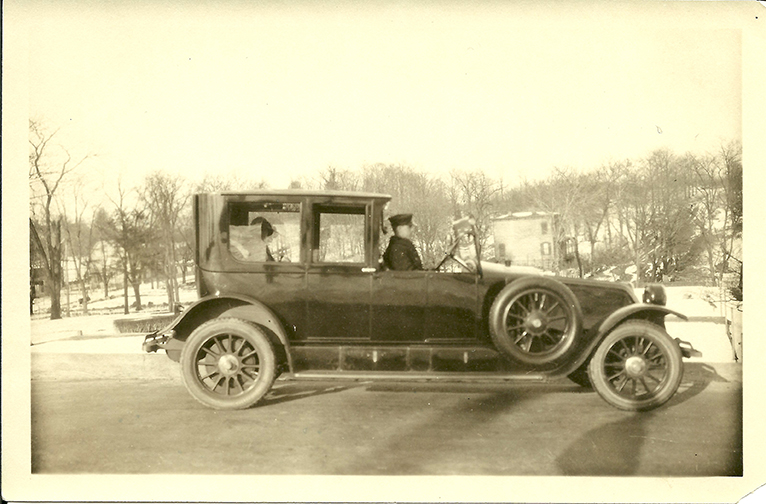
{"x":309,"y":193}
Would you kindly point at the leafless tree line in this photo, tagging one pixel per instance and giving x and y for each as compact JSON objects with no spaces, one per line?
{"x":664,"y":213}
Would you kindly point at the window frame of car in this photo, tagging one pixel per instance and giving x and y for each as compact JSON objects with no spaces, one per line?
{"x":336,"y":206}
{"x":258,"y":200}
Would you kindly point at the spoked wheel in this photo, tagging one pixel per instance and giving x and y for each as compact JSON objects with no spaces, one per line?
{"x":535,"y":320}
{"x":228,"y":364}
{"x":637,"y":367}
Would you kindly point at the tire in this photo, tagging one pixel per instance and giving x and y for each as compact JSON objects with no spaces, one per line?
{"x":228,"y":364}
{"x":535,"y":320}
{"x":580,"y":377}
{"x":637,"y":367}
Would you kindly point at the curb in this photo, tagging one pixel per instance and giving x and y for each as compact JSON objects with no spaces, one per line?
{"x":103,"y":366}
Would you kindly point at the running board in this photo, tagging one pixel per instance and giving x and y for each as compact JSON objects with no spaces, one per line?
{"x":414,"y":376}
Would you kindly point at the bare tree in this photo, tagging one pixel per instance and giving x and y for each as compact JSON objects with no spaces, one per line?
{"x":564,"y":193}
{"x":105,"y":265}
{"x":718,"y":205}
{"x":49,"y":165}
{"x":336,"y":179}
{"x":473,"y":193}
{"x":217,"y":182}
{"x":81,"y":239}
{"x":166,"y":198}
{"x":130,"y":230}
{"x":417,"y":193}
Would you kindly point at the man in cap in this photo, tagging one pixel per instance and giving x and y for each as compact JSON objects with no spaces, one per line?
{"x":401,"y":255}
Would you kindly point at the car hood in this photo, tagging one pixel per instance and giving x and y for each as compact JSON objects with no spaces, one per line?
{"x":493,"y":272}
{"x":496,"y":271}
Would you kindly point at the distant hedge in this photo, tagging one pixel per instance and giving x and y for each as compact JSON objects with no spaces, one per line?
{"x":143,"y":325}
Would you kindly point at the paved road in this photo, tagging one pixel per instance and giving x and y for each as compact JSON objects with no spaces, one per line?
{"x":388,"y":428}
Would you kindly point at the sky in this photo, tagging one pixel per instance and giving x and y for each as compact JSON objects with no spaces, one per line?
{"x":278,"y":91}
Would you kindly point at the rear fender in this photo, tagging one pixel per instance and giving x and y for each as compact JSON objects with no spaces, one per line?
{"x":240,"y":307}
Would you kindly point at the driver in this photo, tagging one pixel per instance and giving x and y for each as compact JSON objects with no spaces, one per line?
{"x":401,"y":254}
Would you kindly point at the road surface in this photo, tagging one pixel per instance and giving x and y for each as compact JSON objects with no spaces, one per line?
{"x":389,"y":428}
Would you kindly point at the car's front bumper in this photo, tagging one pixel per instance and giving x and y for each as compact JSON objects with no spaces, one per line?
{"x":687,"y":350}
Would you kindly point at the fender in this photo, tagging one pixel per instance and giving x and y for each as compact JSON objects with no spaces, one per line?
{"x":650,"y":312}
{"x":653,"y":313}
{"x":207,"y":308}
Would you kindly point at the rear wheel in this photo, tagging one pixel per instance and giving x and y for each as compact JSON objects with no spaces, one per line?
{"x":228,"y":364}
{"x":637,"y":367}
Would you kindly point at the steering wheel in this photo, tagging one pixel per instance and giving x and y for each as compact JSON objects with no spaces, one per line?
{"x":450,"y":254}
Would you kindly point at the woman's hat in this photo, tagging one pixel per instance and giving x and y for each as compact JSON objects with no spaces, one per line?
{"x":266,"y":228}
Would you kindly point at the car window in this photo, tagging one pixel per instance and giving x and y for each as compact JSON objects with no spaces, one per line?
{"x":264,"y":232}
{"x":341,"y":234}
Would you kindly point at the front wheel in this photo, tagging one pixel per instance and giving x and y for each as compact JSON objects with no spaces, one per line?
{"x":637,"y":367}
{"x":228,"y":364}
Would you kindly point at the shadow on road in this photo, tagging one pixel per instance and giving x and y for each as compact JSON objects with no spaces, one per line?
{"x":615,"y":449}
{"x":439,"y":444}
{"x":293,"y":391}
{"x":697,"y":377}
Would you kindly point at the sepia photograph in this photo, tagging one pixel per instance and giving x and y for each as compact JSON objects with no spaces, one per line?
{"x":389,"y":251}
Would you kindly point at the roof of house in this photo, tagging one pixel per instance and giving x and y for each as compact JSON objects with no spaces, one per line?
{"x":524,"y":215}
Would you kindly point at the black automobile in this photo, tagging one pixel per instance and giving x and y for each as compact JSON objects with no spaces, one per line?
{"x":292,"y":282}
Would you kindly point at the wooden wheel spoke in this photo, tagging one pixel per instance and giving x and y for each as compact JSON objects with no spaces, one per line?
{"x":210,"y":352}
{"x":615,"y":352}
{"x":620,"y":373}
{"x":210,"y":374}
{"x":529,"y":343}
{"x":250,"y":354}
{"x":622,"y":386}
{"x":550,"y":310}
{"x":521,"y":305}
{"x":218,"y":382}
{"x":643,"y":382}
{"x":647,"y":348}
{"x":239,"y":385}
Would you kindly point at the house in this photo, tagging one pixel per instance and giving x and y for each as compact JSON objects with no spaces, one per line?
{"x":529,"y":239}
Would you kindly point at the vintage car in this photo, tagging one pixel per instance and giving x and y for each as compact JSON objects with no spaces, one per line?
{"x":292,"y":282}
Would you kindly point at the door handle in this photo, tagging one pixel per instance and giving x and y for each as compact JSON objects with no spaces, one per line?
{"x":369,"y":270}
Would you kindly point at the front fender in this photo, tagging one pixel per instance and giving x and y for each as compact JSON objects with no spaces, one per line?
{"x":171,"y":337}
{"x":649,"y":312}
{"x":652,"y":313}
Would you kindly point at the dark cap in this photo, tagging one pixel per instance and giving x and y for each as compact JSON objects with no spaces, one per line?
{"x":266,"y":228}
{"x":400,"y":220}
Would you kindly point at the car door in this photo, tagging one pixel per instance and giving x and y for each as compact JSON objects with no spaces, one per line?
{"x":399,"y":300}
{"x":339,"y":278}
{"x":452,"y":313}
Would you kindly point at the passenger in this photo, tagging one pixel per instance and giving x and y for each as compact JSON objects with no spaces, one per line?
{"x":401,"y":254}
{"x":255,"y":241}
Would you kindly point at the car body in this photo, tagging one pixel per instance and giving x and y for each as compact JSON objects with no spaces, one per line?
{"x":320,"y":303}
